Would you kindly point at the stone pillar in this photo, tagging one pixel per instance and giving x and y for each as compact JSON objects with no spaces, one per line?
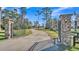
{"x":6,"y":31}
{"x":9,"y":29}
{"x":65,"y":29}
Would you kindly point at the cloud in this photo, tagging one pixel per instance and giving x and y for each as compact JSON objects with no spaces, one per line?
{"x":56,"y":12}
{"x":61,"y":8}
{"x":28,"y":7}
{"x":3,"y":8}
{"x":18,"y":11}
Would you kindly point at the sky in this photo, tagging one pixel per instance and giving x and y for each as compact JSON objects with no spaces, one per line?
{"x":55,"y":14}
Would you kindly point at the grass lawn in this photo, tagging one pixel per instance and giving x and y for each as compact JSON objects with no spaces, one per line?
{"x":2,"y":35}
{"x":74,"y":32}
{"x":22,"y":32}
{"x":52,"y":34}
{"x":17,"y":33}
{"x":76,"y":48}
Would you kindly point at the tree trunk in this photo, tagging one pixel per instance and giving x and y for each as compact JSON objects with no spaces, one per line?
{"x":0,"y":18}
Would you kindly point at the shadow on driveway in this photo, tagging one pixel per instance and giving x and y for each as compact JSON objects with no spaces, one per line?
{"x":48,"y":45}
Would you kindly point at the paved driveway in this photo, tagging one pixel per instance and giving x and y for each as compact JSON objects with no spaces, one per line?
{"x":27,"y":43}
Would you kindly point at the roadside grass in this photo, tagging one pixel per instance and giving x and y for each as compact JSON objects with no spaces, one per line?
{"x":17,"y":33}
{"x":22,"y":32}
{"x":76,"y":48}
{"x":73,"y":32}
{"x":2,"y":35}
{"x":53,"y":34}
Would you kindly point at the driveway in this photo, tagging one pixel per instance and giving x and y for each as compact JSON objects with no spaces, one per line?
{"x":36,"y":41}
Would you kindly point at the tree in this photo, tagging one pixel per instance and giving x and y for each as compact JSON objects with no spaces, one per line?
{"x":46,"y":12}
{"x":6,"y":14}
{"x":36,"y":24}
{"x":29,"y":24}
{"x":23,"y":15}
{"x":49,"y":23}
{"x":54,"y":24}
{"x":38,"y":13}
{"x":7,"y":17}
{"x":16,"y":19}
{"x":0,"y":17}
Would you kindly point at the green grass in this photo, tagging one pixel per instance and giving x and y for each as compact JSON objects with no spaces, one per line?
{"x":22,"y":32}
{"x":74,"y":32}
{"x":53,"y":34}
{"x":2,"y":35}
{"x":76,"y":48}
{"x":17,"y":33}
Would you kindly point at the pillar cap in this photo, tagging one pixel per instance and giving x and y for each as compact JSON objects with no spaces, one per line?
{"x":11,"y":21}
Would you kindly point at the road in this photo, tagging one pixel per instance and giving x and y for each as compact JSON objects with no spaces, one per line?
{"x":38,"y":40}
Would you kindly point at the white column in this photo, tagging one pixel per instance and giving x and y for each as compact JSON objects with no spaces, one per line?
{"x":9,"y":30}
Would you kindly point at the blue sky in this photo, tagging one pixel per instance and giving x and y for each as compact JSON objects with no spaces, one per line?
{"x":55,"y":14}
